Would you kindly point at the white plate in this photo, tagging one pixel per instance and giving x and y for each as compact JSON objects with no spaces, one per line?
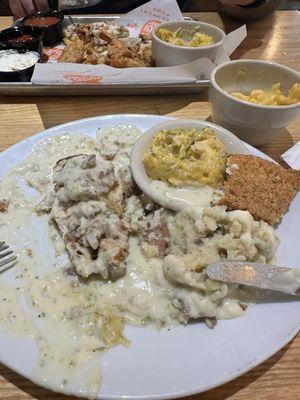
{"x":184,"y":360}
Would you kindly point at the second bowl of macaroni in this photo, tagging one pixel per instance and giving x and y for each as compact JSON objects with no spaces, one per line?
{"x":254,"y":99}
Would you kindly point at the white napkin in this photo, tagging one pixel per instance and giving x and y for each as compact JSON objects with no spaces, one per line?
{"x":292,"y":156}
{"x":98,"y":74}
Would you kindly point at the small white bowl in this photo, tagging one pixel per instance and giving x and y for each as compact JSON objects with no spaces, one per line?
{"x":232,"y":146}
{"x":167,"y":54}
{"x":254,"y":123}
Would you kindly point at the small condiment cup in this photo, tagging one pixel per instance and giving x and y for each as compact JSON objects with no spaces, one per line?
{"x":53,"y":34}
{"x":34,"y":44}
{"x":167,"y":54}
{"x":21,"y":75}
{"x":254,"y":123}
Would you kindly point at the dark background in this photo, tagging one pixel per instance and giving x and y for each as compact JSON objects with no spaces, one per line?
{"x":193,"y":5}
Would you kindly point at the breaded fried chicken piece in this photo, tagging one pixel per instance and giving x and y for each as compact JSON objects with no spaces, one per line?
{"x":73,"y":52}
{"x":145,"y":54}
{"x":120,"y":56}
{"x":261,"y":187}
{"x":87,"y":204}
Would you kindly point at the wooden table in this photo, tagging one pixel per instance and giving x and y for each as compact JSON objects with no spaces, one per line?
{"x":276,"y":39}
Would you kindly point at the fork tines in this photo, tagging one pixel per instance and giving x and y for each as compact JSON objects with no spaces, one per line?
{"x":6,"y":257}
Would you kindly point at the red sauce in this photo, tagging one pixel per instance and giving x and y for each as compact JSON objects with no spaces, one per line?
{"x":41,"y":22}
{"x":21,"y":38}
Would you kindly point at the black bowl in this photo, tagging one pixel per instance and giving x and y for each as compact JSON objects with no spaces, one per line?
{"x":53,"y":33}
{"x":35,"y":44}
{"x":22,"y":75}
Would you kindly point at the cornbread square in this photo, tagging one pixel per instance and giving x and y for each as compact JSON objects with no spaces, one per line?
{"x":261,"y":187}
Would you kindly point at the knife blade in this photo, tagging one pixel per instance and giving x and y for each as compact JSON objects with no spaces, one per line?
{"x":262,"y":276}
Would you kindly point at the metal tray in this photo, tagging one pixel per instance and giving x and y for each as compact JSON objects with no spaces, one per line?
{"x":29,"y":89}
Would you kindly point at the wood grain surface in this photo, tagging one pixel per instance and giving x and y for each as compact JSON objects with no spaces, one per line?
{"x":276,"y":39}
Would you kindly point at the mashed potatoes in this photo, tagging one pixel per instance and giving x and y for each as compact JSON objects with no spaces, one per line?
{"x":181,"y":156}
{"x":197,"y":39}
{"x":199,"y":237}
{"x":271,"y":97}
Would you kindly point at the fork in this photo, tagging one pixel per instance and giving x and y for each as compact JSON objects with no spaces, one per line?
{"x":6,"y":257}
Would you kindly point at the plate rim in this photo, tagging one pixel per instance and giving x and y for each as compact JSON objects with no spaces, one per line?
{"x":107,"y":117}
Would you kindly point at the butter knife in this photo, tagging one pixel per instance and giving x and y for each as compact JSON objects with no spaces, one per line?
{"x":262,"y":276}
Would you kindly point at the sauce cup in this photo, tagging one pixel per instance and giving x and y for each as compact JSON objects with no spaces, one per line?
{"x":9,"y":39}
{"x":167,"y":54}
{"x":254,"y":123}
{"x":50,"y":22}
{"x":20,"y":75}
